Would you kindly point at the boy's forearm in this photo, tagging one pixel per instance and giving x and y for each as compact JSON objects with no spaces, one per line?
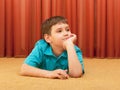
{"x":75,"y":68}
{"x":32,"y":71}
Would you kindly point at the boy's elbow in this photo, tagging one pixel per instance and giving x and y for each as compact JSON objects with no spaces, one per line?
{"x":23,"y":70}
{"x":76,"y":75}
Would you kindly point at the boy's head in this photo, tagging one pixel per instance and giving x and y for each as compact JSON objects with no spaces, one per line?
{"x":47,"y":24}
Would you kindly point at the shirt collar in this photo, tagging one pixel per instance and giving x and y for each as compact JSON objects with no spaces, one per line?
{"x":49,"y":52}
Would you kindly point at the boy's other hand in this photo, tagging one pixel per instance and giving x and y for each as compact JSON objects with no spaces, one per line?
{"x":73,"y":38}
{"x":58,"y":74}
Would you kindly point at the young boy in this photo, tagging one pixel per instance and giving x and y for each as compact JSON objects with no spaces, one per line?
{"x":55,"y":56}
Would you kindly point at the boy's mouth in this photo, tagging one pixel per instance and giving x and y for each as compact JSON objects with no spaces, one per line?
{"x":66,"y":38}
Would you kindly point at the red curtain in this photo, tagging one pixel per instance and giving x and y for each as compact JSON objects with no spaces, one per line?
{"x":96,"y":23}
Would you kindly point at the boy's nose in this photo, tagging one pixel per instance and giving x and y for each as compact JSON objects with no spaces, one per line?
{"x":66,"y":33}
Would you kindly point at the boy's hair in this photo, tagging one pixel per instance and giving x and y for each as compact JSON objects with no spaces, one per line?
{"x":48,"y":23}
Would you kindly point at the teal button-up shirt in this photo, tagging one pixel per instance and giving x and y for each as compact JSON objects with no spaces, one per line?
{"x":42,"y":57}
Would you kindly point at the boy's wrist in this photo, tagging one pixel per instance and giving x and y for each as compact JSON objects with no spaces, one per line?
{"x":48,"y":75}
{"x":69,"y":45}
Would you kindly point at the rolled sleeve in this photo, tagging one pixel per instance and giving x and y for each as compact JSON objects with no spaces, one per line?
{"x":35,"y":57}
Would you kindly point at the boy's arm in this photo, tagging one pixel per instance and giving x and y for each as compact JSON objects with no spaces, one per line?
{"x":27,"y":70}
{"x":75,"y":67}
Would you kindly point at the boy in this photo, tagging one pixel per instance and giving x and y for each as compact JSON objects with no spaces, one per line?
{"x":55,"y":56}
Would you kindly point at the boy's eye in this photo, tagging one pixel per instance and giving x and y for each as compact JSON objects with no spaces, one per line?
{"x":67,"y":29}
{"x":59,"y":31}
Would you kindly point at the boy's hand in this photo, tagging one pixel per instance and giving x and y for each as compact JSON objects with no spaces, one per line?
{"x":68,"y":41}
{"x":73,"y":38}
{"x":58,"y":74}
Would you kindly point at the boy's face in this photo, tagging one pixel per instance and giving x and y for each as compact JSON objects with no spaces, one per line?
{"x":59,"y":33}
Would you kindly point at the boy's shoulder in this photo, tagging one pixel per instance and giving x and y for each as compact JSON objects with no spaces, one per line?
{"x":42,"y":44}
{"x":41,"y":41}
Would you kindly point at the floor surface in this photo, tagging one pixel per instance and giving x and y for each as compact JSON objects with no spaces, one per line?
{"x":100,"y":74}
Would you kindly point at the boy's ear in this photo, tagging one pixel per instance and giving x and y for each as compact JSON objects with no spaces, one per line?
{"x":47,"y":38}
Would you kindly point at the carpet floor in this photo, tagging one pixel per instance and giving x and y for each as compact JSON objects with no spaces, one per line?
{"x":100,"y":74}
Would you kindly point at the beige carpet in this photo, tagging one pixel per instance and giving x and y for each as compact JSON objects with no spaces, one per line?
{"x":100,"y":74}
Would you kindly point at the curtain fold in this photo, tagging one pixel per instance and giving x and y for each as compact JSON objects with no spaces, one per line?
{"x":112,"y":25}
{"x":117,"y":28}
{"x":96,"y":23}
{"x":101,"y":28}
{"x":8,"y":28}
{"x":2,"y":28}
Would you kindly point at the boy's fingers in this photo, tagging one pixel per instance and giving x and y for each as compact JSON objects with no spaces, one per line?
{"x":60,"y":76}
{"x":64,"y":74}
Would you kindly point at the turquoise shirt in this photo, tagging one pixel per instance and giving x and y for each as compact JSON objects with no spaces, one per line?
{"x":42,"y":57}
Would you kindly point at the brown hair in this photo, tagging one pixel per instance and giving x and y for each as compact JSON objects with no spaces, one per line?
{"x":48,"y":23}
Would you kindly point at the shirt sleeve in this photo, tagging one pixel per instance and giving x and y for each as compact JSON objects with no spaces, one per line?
{"x":35,"y":57}
{"x":79,"y":54}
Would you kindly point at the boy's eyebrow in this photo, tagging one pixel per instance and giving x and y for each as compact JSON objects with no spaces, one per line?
{"x":64,"y":27}
{"x":61,"y":27}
